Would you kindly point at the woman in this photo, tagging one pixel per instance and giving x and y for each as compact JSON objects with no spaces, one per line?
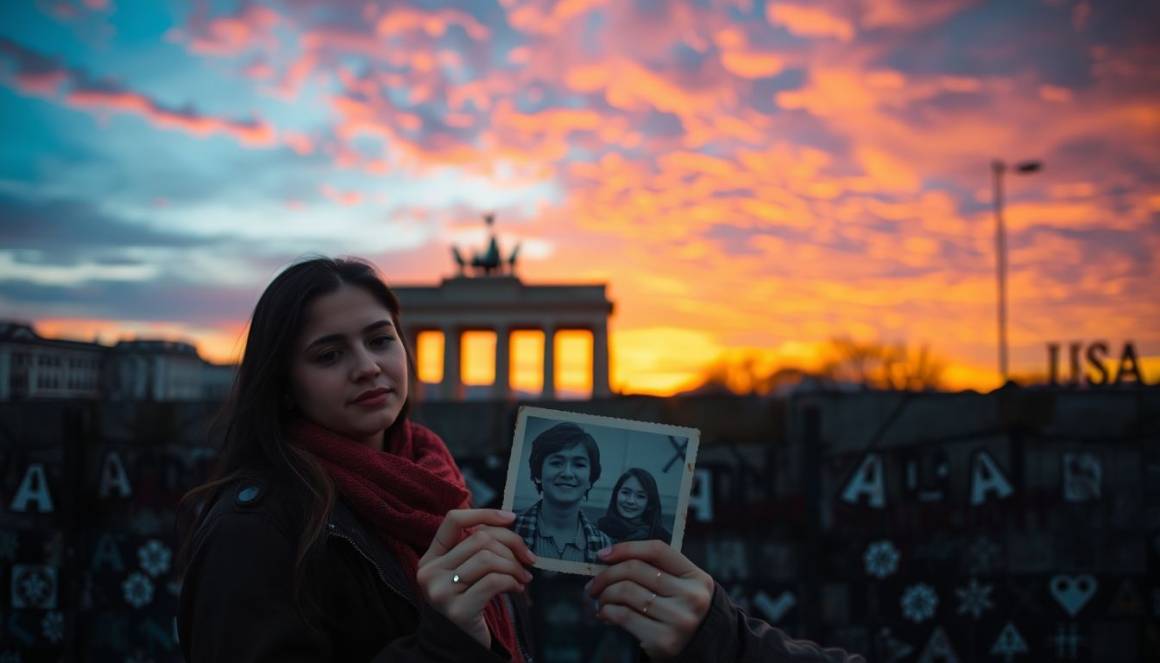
{"x":634,"y":511}
{"x":337,"y":529}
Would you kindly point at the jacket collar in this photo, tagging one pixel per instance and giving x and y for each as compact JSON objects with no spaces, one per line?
{"x":343,"y":524}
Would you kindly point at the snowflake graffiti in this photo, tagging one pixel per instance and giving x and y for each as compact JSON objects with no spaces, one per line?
{"x":919,"y":602}
{"x":53,"y":626}
{"x":154,"y":557}
{"x":138,"y":590}
{"x":975,"y":599}
{"x":33,"y":586}
{"x":881,"y":559}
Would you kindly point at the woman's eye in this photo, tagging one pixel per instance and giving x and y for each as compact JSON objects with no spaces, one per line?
{"x":380,"y":341}
{"x":327,"y":357}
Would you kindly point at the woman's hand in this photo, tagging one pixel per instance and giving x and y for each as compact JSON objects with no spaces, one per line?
{"x":653,"y":592}
{"x":472,"y":558}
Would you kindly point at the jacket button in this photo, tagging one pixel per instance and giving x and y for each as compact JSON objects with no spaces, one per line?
{"x":249,"y":495}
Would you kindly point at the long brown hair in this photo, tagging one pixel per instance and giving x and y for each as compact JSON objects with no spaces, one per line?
{"x":651,"y":515}
{"x":253,"y":423}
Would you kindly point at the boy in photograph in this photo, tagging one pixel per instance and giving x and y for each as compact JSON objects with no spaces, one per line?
{"x":564,"y":463}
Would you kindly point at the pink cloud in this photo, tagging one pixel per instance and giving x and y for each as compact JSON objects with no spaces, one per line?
{"x":32,"y":72}
{"x":909,"y":14}
{"x":547,"y":18}
{"x":38,"y":75}
{"x":1055,"y":93}
{"x":346,"y":198}
{"x":433,"y":23}
{"x":299,"y":142}
{"x":67,"y":10}
{"x":259,"y":69}
{"x":248,"y":132}
{"x":231,"y":35}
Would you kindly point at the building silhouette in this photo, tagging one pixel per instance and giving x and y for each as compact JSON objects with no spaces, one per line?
{"x":36,"y":367}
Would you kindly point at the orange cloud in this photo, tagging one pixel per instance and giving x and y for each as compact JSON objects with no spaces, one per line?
{"x":887,"y":172}
{"x":808,"y":21}
{"x":751,"y":64}
{"x":630,"y":86}
{"x":546,"y":18}
{"x":1055,"y":93}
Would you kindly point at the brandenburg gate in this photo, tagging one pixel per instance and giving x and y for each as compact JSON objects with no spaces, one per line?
{"x":494,"y":299}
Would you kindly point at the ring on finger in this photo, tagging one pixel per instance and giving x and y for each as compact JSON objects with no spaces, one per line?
{"x":648,"y":603}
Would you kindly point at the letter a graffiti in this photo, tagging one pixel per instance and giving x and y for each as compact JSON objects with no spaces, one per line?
{"x":33,"y":489}
{"x":868,"y":480}
{"x":113,"y":477}
{"x":987,"y":478}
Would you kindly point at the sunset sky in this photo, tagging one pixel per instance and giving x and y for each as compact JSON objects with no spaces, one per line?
{"x":746,"y":176}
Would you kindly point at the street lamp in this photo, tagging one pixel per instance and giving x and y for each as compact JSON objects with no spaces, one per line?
{"x":997,"y":170}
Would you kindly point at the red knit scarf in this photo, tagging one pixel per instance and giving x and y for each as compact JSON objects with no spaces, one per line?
{"x":405,"y":491}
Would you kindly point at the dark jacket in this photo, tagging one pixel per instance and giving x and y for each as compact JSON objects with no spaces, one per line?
{"x":727,"y":634}
{"x":237,"y":599}
{"x":237,"y":603}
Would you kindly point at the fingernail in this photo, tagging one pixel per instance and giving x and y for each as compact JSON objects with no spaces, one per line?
{"x":588,"y":587}
{"x":507,"y":514}
{"x":605,"y":552}
{"x":531,"y":557}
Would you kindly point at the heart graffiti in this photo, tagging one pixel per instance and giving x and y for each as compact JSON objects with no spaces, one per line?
{"x":1073,"y":592}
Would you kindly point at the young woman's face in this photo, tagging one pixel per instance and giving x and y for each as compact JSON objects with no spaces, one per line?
{"x":631,"y":499}
{"x":349,"y":369}
{"x":564,"y":476}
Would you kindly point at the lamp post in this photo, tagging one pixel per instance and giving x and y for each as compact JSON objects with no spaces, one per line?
{"x":997,"y":170}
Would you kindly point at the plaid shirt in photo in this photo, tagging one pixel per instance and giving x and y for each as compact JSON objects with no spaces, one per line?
{"x":527,"y":524}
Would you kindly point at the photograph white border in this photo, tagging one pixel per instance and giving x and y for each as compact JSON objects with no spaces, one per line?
{"x":693,"y":436}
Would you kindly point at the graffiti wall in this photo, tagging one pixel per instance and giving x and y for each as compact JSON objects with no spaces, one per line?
{"x":905,"y":527}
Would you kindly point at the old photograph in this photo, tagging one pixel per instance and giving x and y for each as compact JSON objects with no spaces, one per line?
{"x":579,"y":483}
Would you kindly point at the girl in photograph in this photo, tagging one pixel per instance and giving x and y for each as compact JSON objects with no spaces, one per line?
{"x":634,"y":511}
{"x":336,"y":528}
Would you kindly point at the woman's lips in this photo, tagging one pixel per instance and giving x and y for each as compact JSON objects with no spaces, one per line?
{"x":377,"y":400}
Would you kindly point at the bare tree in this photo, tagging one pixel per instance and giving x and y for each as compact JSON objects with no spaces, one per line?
{"x":883,"y":366}
{"x":871,"y":365}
